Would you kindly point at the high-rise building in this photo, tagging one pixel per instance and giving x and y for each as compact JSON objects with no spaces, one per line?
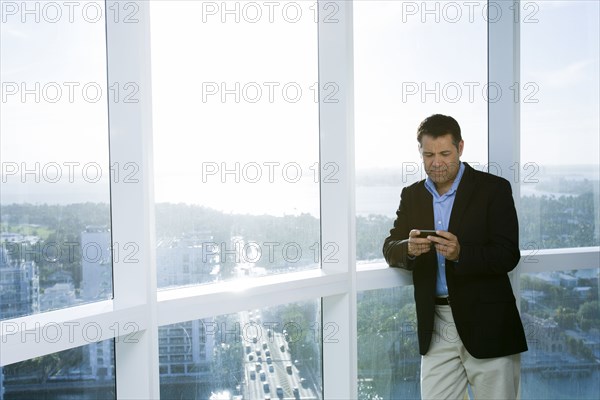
{"x":100,"y":360}
{"x":96,"y":284}
{"x":185,"y":357}
{"x":19,"y":286}
{"x":185,"y":351}
{"x":96,"y":264}
{"x":189,"y":259}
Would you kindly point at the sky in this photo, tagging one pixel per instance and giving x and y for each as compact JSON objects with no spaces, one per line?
{"x":56,"y":128}
{"x":268,"y":59}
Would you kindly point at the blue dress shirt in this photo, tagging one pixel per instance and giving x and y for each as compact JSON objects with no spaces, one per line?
{"x":442,"y":207}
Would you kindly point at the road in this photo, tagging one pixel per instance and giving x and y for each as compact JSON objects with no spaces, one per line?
{"x":280,"y":372}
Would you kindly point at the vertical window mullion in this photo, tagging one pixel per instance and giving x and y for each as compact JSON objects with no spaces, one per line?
{"x":504,"y":113}
{"x":132,"y":200}
{"x":337,"y":193}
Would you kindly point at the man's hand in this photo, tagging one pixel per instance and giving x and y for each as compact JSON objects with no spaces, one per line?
{"x":446,"y":244}
{"x":417,"y":245}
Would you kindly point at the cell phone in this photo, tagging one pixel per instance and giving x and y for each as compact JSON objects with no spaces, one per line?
{"x":427,"y":232}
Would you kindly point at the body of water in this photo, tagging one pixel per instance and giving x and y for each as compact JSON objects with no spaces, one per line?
{"x":277,"y":198}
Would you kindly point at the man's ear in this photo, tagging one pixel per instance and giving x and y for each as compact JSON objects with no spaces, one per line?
{"x":461,"y":146}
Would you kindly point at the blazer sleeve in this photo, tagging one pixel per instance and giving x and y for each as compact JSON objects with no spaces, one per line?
{"x":395,"y":246}
{"x":500,"y":253}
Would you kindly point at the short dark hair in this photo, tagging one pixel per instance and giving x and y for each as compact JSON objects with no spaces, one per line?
{"x":439,"y":125}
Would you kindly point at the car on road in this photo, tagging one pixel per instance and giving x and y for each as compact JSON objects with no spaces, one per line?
{"x":266,"y":387}
{"x":252,"y":375}
{"x":296,"y":393}
{"x":288,"y":368}
{"x":279,"y":392}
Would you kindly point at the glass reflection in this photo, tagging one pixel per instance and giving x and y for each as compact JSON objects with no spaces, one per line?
{"x":254,"y":354}
{"x":561,"y":315}
{"x":86,"y":373}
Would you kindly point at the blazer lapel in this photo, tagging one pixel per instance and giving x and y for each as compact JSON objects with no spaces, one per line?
{"x":463,"y":195}
{"x":425,"y":208}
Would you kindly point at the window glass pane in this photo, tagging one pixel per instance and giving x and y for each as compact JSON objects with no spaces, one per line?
{"x":560,"y":159}
{"x":388,"y":351}
{"x":54,"y":188}
{"x":411,"y":60}
{"x":273,"y":352}
{"x":561,"y":315}
{"x":235,"y":124}
{"x":82,"y":373}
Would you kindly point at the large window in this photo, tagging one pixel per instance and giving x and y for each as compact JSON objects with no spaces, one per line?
{"x":558,"y":176}
{"x":55,"y":240}
{"x":235,"y":114}
{"x":254,"y":354}
{"x":55,"y":228}
{"x":236,"y":156}
{"x":561,"y":313}
{"x":411,"y":60}
{"x":388,"y":350}
{"x":249,"y":157}
{"x":560,"y":162}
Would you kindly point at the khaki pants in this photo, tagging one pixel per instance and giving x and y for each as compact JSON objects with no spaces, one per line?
{"x":448,"y":367}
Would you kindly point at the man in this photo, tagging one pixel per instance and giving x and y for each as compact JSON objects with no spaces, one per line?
{"x":468,"y":324}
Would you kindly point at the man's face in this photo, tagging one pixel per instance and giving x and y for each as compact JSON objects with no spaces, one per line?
{"x":440,"y":158}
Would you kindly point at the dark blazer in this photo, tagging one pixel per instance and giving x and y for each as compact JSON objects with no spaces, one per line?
{"x":483,"y":305}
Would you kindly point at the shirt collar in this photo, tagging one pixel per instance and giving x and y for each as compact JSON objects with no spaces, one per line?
{"x":431,"y":186}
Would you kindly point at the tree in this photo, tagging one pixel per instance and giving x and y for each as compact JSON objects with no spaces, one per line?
{"x":589,"y":315}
